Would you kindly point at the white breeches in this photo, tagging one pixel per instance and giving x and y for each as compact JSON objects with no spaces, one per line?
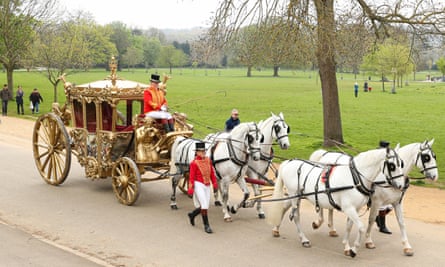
{"x":389,"y":207}
{"x":159,"y":115}
{"x":201,"y":197}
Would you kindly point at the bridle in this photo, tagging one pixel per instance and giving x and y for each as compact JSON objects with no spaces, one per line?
{"x":425,"y":157}
{"x":277,"y":129}
{"x":390,"y":166}
{"x":252,"y":137}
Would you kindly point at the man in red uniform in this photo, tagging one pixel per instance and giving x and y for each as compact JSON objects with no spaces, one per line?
{"x":202,"y":176}
{"x":155,"y":104}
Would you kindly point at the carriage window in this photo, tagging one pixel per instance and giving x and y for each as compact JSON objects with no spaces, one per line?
{"x":107,"y":115}
{"x":78,"y":113}
{"x":126,"y":109}
{"x":91,"y":117}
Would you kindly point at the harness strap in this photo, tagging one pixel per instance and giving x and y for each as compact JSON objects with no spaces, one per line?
{"x":328,"y":187}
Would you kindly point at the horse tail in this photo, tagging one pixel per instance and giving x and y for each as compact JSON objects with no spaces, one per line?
{"x":173,"y":155}
{"x":277,"y":209}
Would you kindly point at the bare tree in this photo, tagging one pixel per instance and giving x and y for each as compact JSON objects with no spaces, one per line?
{"x":421,"y":15}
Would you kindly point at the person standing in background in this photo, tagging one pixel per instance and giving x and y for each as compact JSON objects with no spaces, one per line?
{"x":19,"y":100}
{"x":356,"y":89}
{"x":35,"y":99}
{"x":5,"y":95}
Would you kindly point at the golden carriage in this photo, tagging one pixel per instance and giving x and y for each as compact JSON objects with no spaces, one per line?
{"x":102,"y":123}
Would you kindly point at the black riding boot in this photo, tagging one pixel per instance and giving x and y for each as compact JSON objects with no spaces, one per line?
{"x":381,"y":222}
{"x":193,"y":214}
{"x":205,"y":220}
{"x":171,"y":127}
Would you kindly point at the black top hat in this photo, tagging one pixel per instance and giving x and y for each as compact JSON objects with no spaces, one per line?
{"x":384,"y":144}
{"x":155,"y":78}
{"x":200,"y":146}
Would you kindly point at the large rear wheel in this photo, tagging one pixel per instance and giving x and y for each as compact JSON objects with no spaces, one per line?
{"x":51,"y":148}
{"x":126,"y":181}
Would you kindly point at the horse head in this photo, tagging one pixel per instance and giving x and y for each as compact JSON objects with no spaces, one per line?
{"x":280,"y":131}
{"x":393,"y":168}
{"x":426,"y":160}
{"x":252,"y":137}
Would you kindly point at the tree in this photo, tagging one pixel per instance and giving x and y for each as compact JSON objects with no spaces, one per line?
{"x":152,"y":50}
{"x":246,"y":49}
{"x":18,"y":22}
{"x":132,"y":57}
{"x":422,"y":16}
{"x":172,"y":57}
{"x":69,"y":46}
{"x":441,"y":66}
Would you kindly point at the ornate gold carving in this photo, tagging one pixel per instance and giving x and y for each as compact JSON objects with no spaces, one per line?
{"x":91,"y":168}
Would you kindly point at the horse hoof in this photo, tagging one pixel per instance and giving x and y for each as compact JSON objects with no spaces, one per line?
{"x":352,"y":253}
{"x":333,"y":233}
{"x":261,"y":216}
{"x":306,"y":244}
{"x":347,"y":252}
{"x":228,"y":219}
{"x":173,"y":207}
{"x":408,"y":251}
{"x":218,"y":203}
{"x":315,"y":225}
{"x":370,"y":245}
{"x":275,"y":234}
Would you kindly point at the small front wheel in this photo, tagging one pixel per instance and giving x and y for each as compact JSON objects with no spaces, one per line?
{"x":126,"y":180}
{"x":51,"y":147}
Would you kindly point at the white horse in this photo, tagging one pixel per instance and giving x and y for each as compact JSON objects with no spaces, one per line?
{"x":344,"y":187}
{"x":273,"y":129}
{"x":418,"y":155}
{"x":230,"y":153}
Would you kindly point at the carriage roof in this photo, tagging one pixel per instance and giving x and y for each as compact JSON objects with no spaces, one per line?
{"x":110,"y":88}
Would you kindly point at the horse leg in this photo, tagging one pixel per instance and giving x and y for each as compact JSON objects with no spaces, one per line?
{"x":352,"y":214}
{"x":175,"y":181}
{"x":317,"y":223}
{"x":283,"y":207}
{"x":407,"y":249}
{"x":296,"y":217}
{"x":259,"y":206}
{"x":243,"y":185}
{"x":225,"y":201}
{"x":332,"y":230}
{"x":371,"y":220}
{"x":346,"y":236}
{"x":217,"y":195}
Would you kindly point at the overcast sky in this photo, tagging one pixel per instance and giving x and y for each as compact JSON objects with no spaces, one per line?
{"x":161,"y":14}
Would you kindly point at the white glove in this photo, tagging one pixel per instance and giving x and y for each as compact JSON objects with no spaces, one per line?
{"x":163,"y":108}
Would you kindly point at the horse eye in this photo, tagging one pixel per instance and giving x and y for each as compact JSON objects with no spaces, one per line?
{"x":249,"y":138}
{"x":277,"y":128}
{"x":402,"y":164}
{"x":262,"y":139}
{"x":391,"y":167}
{"x":288,"y":129}
{"x":426,"y":158}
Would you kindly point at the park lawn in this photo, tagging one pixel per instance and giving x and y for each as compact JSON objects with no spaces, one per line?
{"x":413,"y":114}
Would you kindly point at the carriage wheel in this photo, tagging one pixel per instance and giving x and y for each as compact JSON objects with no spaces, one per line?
{"x":126,"y":181}
{"x":51,"y":148}
{"x":183,"y":183}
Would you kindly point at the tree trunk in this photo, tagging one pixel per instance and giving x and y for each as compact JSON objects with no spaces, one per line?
{"x":332,"y":132}
{"x":10,"y":79}
{"x":275,"y":71}
{"x":249,"y":71}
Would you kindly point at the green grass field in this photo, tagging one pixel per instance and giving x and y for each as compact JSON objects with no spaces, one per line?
{"x":413,"y":114}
